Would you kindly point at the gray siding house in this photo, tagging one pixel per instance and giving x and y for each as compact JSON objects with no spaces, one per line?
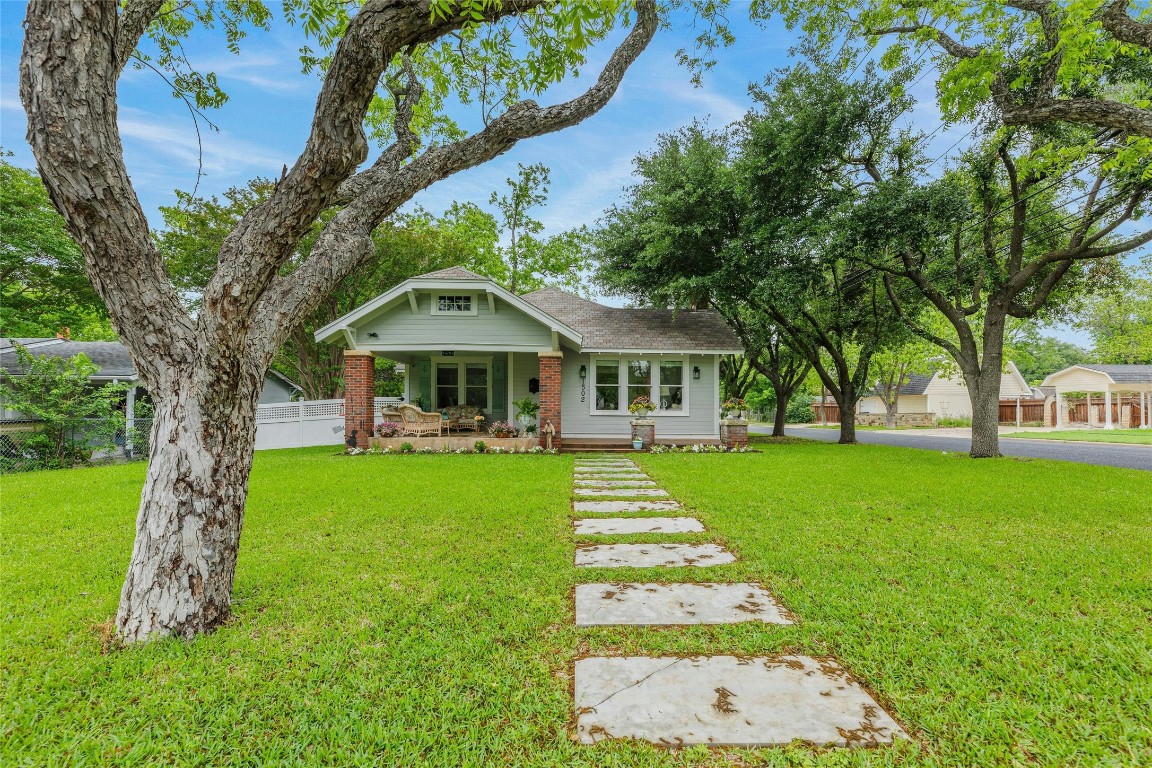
{"x":464,"y":340}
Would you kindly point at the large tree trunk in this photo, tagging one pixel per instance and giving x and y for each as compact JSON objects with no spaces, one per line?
{"x":847,"y":403}
{"x":984,"y":385}
{"x":191,"y":514}
{"x":781,"y":415}
{"x":890,"y":409}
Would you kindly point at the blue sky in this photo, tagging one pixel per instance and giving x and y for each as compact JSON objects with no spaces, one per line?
{"x":264,"y":124}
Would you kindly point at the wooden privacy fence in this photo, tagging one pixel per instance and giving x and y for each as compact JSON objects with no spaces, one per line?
{"x":1078,"y":411}
{"x":826,"y":412}
{"x":1030,"y":410}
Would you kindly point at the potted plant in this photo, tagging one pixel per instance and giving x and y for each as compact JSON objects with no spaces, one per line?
{"x":389,"y":429}
{"x":637,"y":444}
{"x":502,"y":429}
{"x":641,"y":407}
{"x":733,"y":407}
{"x":526,"y":409}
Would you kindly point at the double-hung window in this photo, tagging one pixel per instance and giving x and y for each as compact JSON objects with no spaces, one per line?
{"x":619,"y":381}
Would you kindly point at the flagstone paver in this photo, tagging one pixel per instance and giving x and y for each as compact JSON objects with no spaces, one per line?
{"x":652,"y":555}
{"x":615,"y":483}
{"x":621,"y":525}
{"x":726,"y":700}
{"x":648,"y":604}
{"x":612,"y":507}
{"x":624,"y":492}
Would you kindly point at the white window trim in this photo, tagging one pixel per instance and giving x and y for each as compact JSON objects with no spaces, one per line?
{"x":436,"y":296}
{"x":653,"y":387}
{"x":461,"y":395}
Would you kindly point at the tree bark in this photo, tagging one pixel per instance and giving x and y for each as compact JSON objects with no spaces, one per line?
{"x":179,"y":579}
{"x":847,"y":402}
{"x":983,"y":379}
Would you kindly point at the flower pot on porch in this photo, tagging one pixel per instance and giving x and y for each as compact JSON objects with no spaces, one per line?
{"x":637,"y":445}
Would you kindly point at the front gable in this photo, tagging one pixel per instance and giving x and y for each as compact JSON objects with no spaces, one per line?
{"x":450,"y":314}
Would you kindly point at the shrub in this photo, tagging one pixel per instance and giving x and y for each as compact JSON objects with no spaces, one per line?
{"x":954,"y":421}
{"x":73,"y":418}
{"x":799,"y":410}
{"x":406,"y":448}
{"x":479,"y":446}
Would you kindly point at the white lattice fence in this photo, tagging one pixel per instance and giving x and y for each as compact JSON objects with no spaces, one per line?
{"x":304,"y":423}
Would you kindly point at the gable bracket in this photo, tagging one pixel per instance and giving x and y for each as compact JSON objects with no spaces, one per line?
{"x":412,"y":301}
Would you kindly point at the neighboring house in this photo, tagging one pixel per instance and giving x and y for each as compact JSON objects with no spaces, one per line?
{"x":464,"y":340}
{"x":946,"y":396}
{"x":115,"y":367}
{"x":1123,"y":391}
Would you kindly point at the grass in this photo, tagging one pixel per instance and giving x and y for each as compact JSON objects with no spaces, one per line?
{"x":416,"y":610}
{"x":1129,"y":436}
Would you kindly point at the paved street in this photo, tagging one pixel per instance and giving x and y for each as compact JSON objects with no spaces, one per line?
{"x":1105,"y":454}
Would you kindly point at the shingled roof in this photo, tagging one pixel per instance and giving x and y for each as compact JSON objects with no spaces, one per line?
{"x":451,"y":273}
{"x":1119,"y":373}
{"x":111,"y":356}
{"x":617,"y":328}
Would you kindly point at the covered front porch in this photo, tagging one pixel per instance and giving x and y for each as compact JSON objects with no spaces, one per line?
{"x":459,"y":384}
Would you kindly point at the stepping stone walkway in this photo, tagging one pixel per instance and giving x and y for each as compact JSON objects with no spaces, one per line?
{"x":714,"y":700}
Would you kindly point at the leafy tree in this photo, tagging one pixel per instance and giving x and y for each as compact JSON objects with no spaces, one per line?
{"x":1034,"y":62}
{"x":387,"y":70}
{"x":529,"y":261}
{"x":1120,"y":321}
{"x":1036,"y":355}
{"x":74,"y":418}
{"x":751,"y":229}
{"x":894,"y":368}
{"x":1000,"y":238}
{"x":43,"y":288}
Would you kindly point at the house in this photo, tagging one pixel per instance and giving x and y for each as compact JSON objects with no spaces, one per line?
{"x":1123,"y":395}
{"x":115,"y":367}
{"x":465,"y":340}
{"x":945,"y":395}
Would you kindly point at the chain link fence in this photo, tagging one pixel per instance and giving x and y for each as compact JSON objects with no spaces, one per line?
{"x":27,"y":445}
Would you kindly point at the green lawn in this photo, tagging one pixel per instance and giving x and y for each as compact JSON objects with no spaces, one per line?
{"x":1132,"y":436}
{"x":416,"y":610}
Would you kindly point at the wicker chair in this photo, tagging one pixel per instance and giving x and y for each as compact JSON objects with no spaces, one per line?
{"x":417,"y":422}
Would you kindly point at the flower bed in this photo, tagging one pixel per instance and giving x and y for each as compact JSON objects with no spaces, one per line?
{"x":454,"y":444}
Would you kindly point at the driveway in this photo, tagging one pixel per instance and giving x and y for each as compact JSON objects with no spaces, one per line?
{"x":958,"y":440}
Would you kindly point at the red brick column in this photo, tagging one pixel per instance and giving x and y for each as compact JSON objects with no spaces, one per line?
{"x":734,"y":433}
{"x":359,"y":394}
{"x":551,"y":365}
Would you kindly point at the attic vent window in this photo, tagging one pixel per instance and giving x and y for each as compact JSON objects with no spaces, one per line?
{"x":455,"y":304}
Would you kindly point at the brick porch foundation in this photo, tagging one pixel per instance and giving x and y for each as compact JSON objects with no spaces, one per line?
{"x":551,"y":364}
{"x":359,"y":397}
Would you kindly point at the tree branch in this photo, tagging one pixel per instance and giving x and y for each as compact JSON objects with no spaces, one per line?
{"x":345,"y":242}
{"x":135,"y":18}
{"x":1123,"y":27}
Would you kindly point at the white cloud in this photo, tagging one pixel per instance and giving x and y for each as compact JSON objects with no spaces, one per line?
{"x":223,"y":153}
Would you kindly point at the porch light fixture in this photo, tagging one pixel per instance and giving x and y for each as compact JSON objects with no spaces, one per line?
{"x":583,"y":372}
{"x":373,"y":335}
{"x":695,"y":371}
